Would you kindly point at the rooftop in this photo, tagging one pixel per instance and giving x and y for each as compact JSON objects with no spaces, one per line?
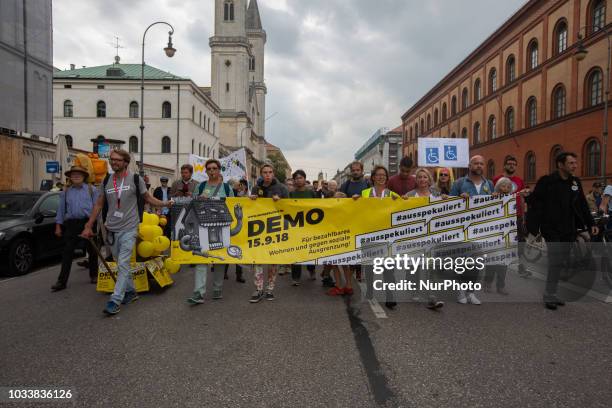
{"x":117,"y":71}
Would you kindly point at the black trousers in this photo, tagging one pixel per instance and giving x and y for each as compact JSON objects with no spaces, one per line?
{"x":71,"y":231}
{"x":296,"y":271}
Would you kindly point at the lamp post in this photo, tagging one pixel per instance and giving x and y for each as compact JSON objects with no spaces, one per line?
{"x":170,"y":50}
{"x":580,"y":54}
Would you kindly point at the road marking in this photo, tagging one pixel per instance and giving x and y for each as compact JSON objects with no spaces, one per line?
{"x":377,"y":309}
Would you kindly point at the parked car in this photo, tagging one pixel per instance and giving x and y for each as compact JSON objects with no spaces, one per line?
{"x":27,"y":226}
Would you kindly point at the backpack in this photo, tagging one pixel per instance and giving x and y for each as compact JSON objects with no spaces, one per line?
{"x":202,"y":186}
{"x":139,"y":197}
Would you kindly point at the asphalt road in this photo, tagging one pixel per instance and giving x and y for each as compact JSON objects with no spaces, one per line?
{"x":303,"y":349}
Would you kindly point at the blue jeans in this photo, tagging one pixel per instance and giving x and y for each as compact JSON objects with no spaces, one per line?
{"x":201,"y":274}
{"x":122,"y":247}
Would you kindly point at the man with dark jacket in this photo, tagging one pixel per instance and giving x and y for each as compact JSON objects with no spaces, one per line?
{"x":267,"y":187}
{"x":557,"y":208}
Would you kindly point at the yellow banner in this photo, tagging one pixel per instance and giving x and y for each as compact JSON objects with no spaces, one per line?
{"x":107,"y":284}
{"x":320,"y":231}
{"x":156,"y":268}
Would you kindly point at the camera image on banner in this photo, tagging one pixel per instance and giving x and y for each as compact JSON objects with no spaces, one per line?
{"x":329,"y":231}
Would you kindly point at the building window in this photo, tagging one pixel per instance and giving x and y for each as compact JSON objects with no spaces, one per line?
{"x":133,"y":109}
{"x":444,"y":112}
{"x":410,"y":133}
{"x":510,"y":69}
{"x":166,"y":110}
{"x":193,"y":113}
{"x":492,"y":80}
{"x":530,"y":167}
{"x":560,"y":37}
{"x":227,"y":87}
{"x":464,"y":134}
{"x":166,"y":87}
{"x":464,"y":99}
{"x":558,"y":102}
{"x":454,"y":135}
{"x":166,"y":145}
{"x":68,"y":109}
{"x":252,"y":64}
{"x":200,"y":149}
{"x":416,"y":130}
{"x":208,"y":125}
{"x":68,"y":86}
{"x":192,"y":146}
{"x":200,"y":119}
{"x":100,"y":86}
{"x":69,"y":141}
{"x":594,"y":87}
{"x":428,"y":121}
{"x":214,"y":126}
{"x":593,"y":158}
{"x":492,"y":127}
{"x":133,"y":144}
{"x":477,"y":91}
{"x":228,"y":11}
{"x":555,"y":151}
{"x":208,"y":154}
{"x":422,"y":126}
{"x":532,"y":55}
{"x":476,"y":136}
{"x":597,"y":15}
{"x":436,"y":117}
{"x":532,"y":112}
{"x":101,"y":109}
{"x":453,"y":106}
{"x":509,"y":121}
{"x":491,"y":169}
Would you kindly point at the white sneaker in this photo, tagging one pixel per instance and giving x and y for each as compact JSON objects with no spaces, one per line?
{"x":471,"y":298}
{"x":461,"y":298}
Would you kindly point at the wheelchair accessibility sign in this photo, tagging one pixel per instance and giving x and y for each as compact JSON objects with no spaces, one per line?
{"x":443,"y":152}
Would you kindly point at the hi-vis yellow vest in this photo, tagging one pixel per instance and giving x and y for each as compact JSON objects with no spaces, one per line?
{"x":369,"y":192}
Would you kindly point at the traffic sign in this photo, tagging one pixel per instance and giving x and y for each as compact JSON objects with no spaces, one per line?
{"x":53,"y":167}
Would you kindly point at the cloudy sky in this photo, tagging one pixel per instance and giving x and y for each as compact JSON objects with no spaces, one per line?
{"x":336,"y":70}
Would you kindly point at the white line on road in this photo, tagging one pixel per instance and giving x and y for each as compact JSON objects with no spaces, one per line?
{"x":377,"y":309}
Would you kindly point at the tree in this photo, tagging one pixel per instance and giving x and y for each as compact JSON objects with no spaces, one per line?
{"x":280,"y":166}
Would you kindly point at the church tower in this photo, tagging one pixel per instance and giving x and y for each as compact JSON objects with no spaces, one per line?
{"x":237,"y":85}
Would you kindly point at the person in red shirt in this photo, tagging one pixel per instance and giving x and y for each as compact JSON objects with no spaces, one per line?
{"x":403,"y":182}
{"x":518,"y":188}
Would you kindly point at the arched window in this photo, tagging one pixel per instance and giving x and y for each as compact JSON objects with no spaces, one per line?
{"x":477,"y":91}
{"x":444,"y":112}
{"x":200,"y":119}
{"x":509,"y":120}
{"x":558,"y":102}
{"x":436,"y":117}
{"x":166,"y":144}
{"x":68,"y":109}
{"x":454,"y":135}
{"x":252,"y":64}
{"x":492,"y":80}
{"x":101,"y":109}
{"x":192,"y":146}
{"x":554,"y":152}
{"x":208,"y":125}
{"x":133,"y":144}
{"x":594,"y":87}
{"x":492,"y":127}
{"x":530,"y":167}
{"x":560,"y":37}
{"x":208,"y":154}
{"x":133,"y":109}
{"x":592,"y":162}
{"x":531,"y":112}
{"x":228,"y":10}
{"x":214,"y":126}
{"x":193,"y":113}
{"x":510,"y":69}
{"x":476,"y":135}
{"x":453,"y":105}
{"x":597,"y":15}
{"x":428,"y":121}
{"x":532,"y":55}
{"x":416,"y":130}
{"x":410,"y":133}
{"x":200,"y":149}
{"x":490,"y":169}
{"x":464,"y":133}
{"x":69,"y":141}
{"x":422,"y":126}
{"x":166,"y":110}
{"x":464,"y":99}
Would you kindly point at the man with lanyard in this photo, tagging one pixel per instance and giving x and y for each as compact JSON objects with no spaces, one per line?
{"x":267,"y":187}
{"x":186,"y":185}
{"x":557,"y":209}
{"x":403,"y":182}
{"x":518,"y":188}
{"x":122,"y":196}
{"x":474,"y":184}
{"x":76,"y":203}
{"x":213,"y":189}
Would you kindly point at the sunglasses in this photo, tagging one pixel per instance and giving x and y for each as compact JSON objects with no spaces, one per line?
{"x":443,"y":174}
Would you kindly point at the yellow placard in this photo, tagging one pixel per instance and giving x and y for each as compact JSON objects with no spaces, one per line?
{"x":107,"y":284}
{"x":156,"y":269}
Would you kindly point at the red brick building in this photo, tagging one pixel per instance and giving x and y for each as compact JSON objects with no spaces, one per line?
{"x":524,"y":92}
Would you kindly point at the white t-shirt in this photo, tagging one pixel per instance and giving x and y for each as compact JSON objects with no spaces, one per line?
{"x":478,"y":187}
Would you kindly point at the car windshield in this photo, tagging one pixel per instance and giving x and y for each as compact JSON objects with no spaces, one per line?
{"x":16,"y":204}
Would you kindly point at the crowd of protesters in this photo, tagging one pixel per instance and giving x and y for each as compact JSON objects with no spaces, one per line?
{"x":555,"y":209}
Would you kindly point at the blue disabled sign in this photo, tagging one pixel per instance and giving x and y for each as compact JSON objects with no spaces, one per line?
{"x":443,"y":152}
{"x":450,"y":153}
{"x":432,"y":156}
{"x":53,"y":167}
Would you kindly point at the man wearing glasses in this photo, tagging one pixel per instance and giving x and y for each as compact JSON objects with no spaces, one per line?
{"x":213,"y":188}
{"x":122,"y":197}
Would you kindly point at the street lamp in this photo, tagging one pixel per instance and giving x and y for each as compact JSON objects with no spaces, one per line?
{"x":169,"y":50}
{"x":580,"y":54}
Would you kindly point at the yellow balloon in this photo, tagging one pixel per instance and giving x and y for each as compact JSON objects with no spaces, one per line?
{"x":146,"y":249}
{"x":145,"y":218}
{"x":163,"y":221}
{"x":161,"y":243}
{"x":147,"y":232}
{"x":171,"y":266}
{"x":157,"y":231}
{"x":151,"y":219}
